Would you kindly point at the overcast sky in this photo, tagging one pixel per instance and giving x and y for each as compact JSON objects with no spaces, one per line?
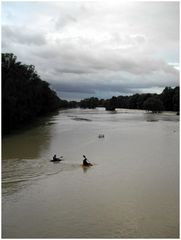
{"x":100,"y":49}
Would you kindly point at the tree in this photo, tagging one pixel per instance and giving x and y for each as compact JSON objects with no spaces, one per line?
{"x":167,"y":98}
{"x":141,"y":99}
{"x":153,"y":104}
{"x":175,"y":99}
{"x":24,"y":95}
{"x":132,"y":103}
{"x":122,"y":102}
{"x":89,"y":102}
{"x":111,"y":104}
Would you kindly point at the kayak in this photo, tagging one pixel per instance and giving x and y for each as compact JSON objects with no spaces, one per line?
{"x":88,"y":165}
{"x":56,"y":160}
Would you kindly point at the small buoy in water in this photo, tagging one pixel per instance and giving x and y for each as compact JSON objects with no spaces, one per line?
{"x":101,"y":136}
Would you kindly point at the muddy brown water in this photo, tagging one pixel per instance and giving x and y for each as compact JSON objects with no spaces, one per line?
{"x":131,"y":191}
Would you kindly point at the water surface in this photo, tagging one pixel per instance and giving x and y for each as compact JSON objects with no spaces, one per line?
{"x":131,"y":191}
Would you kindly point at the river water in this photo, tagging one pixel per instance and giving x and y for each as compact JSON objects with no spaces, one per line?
{"x":132,"y":191}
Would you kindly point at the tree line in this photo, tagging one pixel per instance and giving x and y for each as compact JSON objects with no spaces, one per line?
{"x":25,"y":97}
{"x":168,"y":100}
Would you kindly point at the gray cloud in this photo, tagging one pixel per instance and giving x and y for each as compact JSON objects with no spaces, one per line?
{"x":114,"y":82}
{"x":96,"y":48}
{"x":13,"y":34}
{"x":62,"y":21}
{"x":68,"y":57}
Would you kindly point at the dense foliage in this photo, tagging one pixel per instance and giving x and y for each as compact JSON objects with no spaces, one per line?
{"x":89,"y":102}
{"x":168,"y":100}
{"x":153,"y":104}
{"x":24,"y":95}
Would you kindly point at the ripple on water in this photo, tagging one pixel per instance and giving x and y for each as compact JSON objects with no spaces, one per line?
{"x":17,"y":173}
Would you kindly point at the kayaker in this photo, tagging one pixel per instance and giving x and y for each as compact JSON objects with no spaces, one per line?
{"x":85,"y":161}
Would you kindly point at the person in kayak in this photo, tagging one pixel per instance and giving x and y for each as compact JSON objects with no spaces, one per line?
{"x":55,"y":159}
{"x":85,"y":161}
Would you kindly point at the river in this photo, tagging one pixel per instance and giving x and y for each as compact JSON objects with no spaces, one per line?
{"x":132,"y":191}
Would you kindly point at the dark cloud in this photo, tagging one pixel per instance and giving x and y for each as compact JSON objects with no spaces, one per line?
{"x":83,"y":90}
{"x":73,"y":69}
{"x":73,"y":87}
{"x":96,"y":48}
{"x":113,"y":84}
